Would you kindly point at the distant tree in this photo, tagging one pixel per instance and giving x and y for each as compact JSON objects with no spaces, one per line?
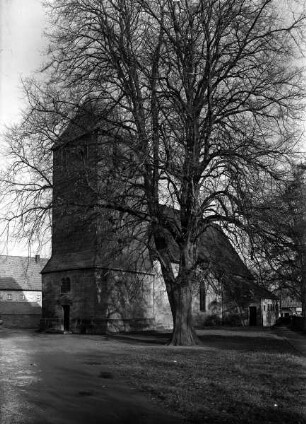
{"x":204,"y":94}
{"x":279,"y":241}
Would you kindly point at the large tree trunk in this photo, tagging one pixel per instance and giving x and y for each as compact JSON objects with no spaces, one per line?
{"x":180,"y":299}
{"x":178,"y":289}
{"x":183,"y":331}
{"x":303,"y":296}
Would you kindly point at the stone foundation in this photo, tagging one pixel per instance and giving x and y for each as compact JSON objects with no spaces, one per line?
{"x":20,"y":321}
{"x":97,"y":326}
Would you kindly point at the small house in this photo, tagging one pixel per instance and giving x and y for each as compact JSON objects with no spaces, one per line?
{"x":20,"y":291}
{"x":290,"y":307}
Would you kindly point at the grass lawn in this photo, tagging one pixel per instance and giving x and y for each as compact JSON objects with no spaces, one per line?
{"x":236,"y":376}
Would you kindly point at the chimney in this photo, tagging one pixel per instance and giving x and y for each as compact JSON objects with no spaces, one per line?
{"x":37,"y":258}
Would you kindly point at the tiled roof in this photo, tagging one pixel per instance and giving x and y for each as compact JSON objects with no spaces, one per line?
{"x":226,"y":264}
{"x":19,"y":308}
{"x":20,"y":273}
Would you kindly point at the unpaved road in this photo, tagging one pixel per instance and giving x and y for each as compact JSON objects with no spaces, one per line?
{"x":57,"y":379}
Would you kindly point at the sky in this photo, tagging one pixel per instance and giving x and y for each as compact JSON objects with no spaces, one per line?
{"x":22,"y":23}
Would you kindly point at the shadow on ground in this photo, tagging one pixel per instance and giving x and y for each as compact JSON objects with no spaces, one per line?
{"x":242,"y":340}
{"x":246,"y":344}
{"x":241,"y":412}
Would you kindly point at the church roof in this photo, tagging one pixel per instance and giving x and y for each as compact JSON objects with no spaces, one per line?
{"x":226,"y":264}
{"x":21,"y":273}
{"x":223,"y":258}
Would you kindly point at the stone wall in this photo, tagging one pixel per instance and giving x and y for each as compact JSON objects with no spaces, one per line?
{"x":211,"y":314}
{"x":22,"y":309}
{"x":74,"y":165}
{"x":161,"y":312}
{"x":269,"y":312}
{"x":99,"y":301}
{"x":80,"y":299}
{"x":102,"y":300}
{"x":20,"y":321}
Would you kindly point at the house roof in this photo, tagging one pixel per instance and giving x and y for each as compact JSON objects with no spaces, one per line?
{"x":21,"y":273}
{"x":19,"y":308}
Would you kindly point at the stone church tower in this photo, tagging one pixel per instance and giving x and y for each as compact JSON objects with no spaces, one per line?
{"x":92,"y":283}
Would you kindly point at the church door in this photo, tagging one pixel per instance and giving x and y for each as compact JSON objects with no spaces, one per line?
{"x":66,"y":317}
{"x":252,"y":315}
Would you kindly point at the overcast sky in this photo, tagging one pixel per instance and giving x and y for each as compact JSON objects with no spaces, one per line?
{"x":21,"y":42}
{"x":22,"y":23}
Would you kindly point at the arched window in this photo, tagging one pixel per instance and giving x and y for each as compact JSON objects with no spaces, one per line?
{"x":202,"y":296}
{"x":65,"y":287}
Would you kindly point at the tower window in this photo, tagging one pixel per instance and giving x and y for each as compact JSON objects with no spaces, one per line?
{"x":202,"y":297}
{"x":65,"y":287}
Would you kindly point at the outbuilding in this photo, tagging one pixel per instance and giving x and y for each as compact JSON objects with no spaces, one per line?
{"x":20,"y":291}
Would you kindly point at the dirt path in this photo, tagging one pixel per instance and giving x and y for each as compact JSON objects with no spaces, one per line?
{"x":52,"y":379}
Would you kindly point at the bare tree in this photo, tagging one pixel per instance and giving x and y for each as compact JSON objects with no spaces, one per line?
{"x":279,"y":237}
{"x":205,"y":96}
{"x":26,"y":182}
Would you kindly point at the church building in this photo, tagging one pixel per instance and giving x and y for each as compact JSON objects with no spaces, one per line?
{"x":101,"y":276}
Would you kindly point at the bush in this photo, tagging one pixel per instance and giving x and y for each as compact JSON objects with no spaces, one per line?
{"x":213,"y":320}
{"x":234,"y":320}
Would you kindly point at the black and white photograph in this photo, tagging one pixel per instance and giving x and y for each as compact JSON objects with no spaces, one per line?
{"x":152,"y":211}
